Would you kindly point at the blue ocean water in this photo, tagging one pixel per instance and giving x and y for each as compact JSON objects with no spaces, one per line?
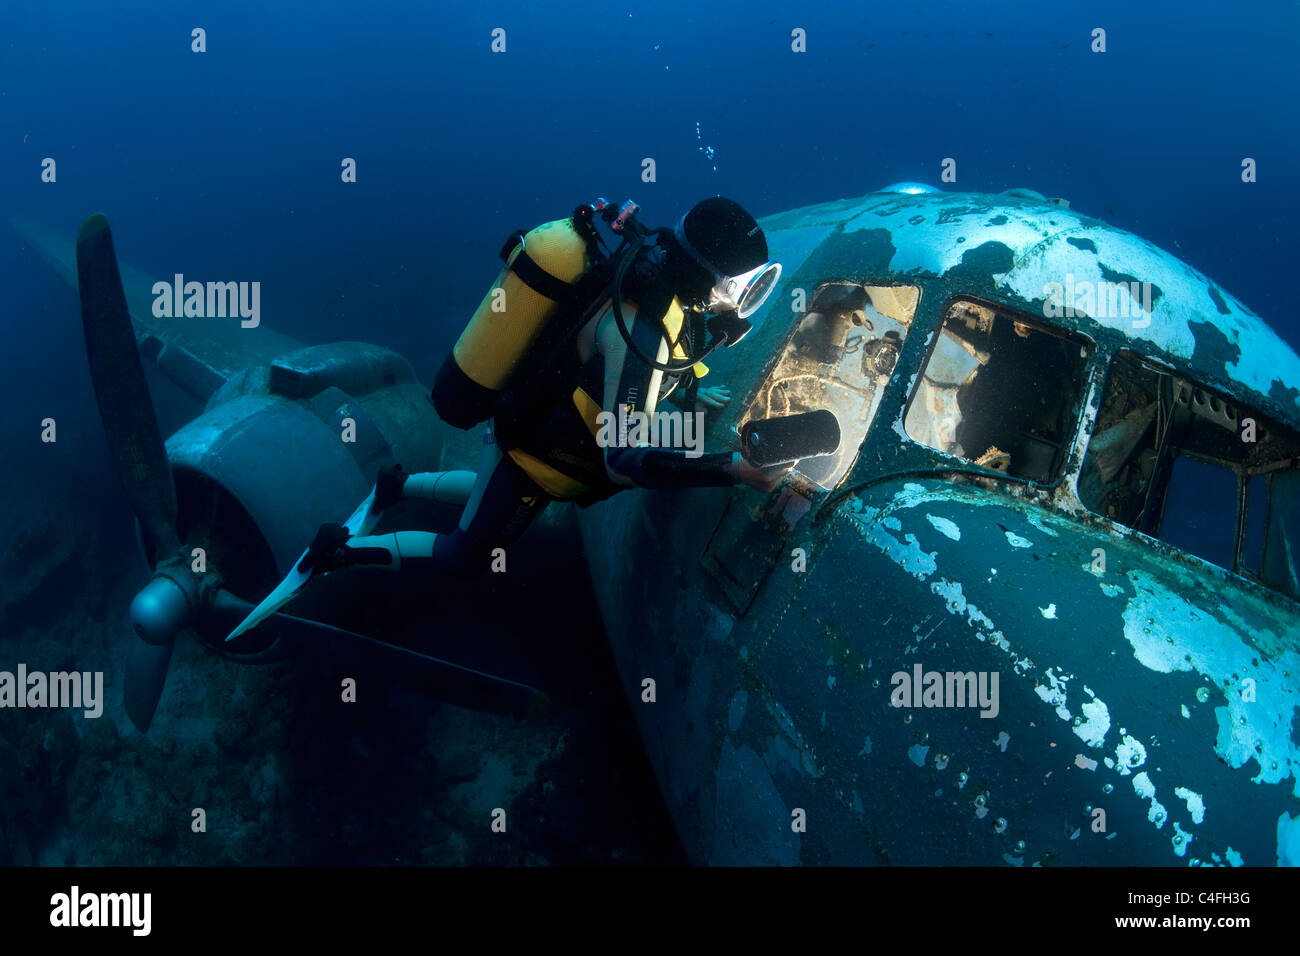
{"x":226,"y":164}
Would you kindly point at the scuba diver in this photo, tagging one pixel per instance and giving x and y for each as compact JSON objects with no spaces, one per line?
{"x":570,"y":336}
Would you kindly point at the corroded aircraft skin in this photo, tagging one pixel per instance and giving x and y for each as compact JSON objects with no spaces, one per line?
{"x":1146,"y":697}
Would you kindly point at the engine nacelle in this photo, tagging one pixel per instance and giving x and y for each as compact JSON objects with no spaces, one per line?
{"x":280,"y":449}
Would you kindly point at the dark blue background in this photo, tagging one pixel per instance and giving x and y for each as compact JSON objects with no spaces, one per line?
{"x":225,"y":165}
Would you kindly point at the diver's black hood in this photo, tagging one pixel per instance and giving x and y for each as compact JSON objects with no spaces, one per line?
{"x":725,"y":234}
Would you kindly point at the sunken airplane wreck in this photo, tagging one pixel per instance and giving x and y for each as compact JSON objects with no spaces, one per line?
{"x":1040,"y":607}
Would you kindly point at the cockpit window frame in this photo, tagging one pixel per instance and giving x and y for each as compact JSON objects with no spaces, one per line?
{"x":915,"y":320}
{"x":1244,"y":473}
{"x":1091,"y":362}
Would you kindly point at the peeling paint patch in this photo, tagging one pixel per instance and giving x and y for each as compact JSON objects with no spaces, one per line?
{"x":1129,"y":755}
{"x":1095,"y":725}
{"x":1083,"y":763}
{"x":1110,"y":590}
{"x":1169,"y":634}
{"x":945,"y":527}
{"x":1038,"y":522}
{"x":1145,"y":789}
{"x":1053,"y":693}
{"x":916,"y":753}
{"x":1048,"y":612}
{"x":1016,"y":541}
{"x":1195,"y":805}
{"x":907,"y":554}
{"x":952,"y":593}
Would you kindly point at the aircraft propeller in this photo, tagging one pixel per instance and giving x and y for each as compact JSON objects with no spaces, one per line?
{"x":178,"y":597}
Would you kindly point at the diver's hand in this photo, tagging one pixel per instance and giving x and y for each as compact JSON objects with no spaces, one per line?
{"x":714,"y":397}
{"x":764,"y":479}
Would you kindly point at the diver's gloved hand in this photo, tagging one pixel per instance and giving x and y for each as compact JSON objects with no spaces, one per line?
{"x":327,"y":551}
{"x":388,"y":487}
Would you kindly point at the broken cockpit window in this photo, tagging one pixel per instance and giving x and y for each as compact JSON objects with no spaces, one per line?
{"x":1000,"y":392}
{"x":840,"y":357}
{"x":1197,"y":470}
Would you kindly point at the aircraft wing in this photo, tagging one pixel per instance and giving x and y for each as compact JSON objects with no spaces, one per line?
{"x":198,"y":354}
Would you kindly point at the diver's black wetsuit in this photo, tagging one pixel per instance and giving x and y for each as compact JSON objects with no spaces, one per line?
{"x":506,"y":498}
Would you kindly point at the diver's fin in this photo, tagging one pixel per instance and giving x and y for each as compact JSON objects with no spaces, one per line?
{"x":362,"y":521}
{"x":786,"y":438}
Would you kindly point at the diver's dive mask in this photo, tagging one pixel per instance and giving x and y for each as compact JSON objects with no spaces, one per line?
{"x":740,"y":294}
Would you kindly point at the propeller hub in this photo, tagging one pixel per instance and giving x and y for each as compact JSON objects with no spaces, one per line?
{"x":159,"y":611}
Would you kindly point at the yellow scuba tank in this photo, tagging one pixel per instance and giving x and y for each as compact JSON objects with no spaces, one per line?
{"x":541,"y":275}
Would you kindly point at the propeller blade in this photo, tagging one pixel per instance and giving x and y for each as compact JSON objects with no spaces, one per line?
{"x":121,"y":393}
{"x":362,"y":521}
{"x":433,"y":676}
{"x":146,"y":672}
